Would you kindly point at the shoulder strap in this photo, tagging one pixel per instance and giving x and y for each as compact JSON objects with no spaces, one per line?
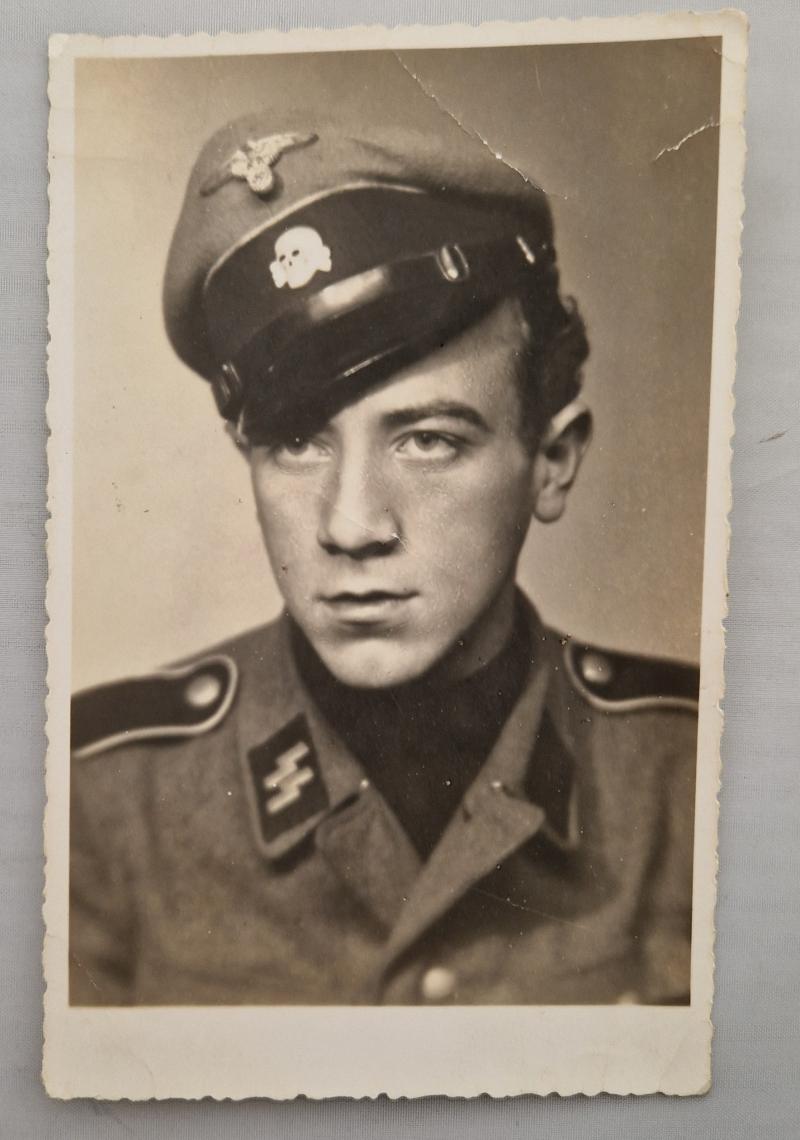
{"x":173,"y":704}
{"x":621,"y":682}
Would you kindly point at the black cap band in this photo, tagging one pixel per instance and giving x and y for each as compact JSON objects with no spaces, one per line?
{"x":347,"y":333}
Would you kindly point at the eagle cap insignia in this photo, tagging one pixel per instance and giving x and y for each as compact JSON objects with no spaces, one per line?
{"x":254,"y":161}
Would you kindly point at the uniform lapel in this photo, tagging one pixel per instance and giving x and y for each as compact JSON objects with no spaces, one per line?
{"x":358,"y":835}
{"x":494,"y":820}
{"x":352,"y":827}
{"x":371,"y":854}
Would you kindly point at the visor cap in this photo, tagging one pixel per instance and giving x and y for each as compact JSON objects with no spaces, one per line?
{"x":312,"y":254}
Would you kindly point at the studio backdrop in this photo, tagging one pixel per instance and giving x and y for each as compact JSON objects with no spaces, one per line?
{"x":623,"y":137}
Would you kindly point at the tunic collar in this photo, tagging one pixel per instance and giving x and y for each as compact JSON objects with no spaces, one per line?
{"x":525,"y":787}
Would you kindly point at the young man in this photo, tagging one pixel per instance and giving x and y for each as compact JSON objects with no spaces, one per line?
{"x":407,"y":789}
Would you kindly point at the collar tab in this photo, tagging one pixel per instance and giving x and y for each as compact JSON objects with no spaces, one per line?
{"x":287,"y":792}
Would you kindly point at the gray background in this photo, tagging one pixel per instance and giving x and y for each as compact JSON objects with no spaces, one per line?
{"x":181,"y":563}
{"x":756,"y":1044}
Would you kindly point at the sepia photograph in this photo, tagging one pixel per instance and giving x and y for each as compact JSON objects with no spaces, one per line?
{"x":390,"y":401}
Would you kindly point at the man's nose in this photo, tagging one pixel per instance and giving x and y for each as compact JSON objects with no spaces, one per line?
{"x":358,"y":516}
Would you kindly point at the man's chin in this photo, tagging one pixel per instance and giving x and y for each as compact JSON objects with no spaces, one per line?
{"x":376,"y":664}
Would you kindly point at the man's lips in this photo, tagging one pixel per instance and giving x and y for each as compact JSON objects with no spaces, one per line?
{"x":366,"y":605}
{"x":348,"y":597}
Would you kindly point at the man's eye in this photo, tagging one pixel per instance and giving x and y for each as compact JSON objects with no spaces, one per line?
{"x":297,"y":446}
{"x":298,"y":451}
{"x":429,"y":445}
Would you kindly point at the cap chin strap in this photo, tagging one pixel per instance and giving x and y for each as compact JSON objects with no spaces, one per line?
{"x":228,"y":392}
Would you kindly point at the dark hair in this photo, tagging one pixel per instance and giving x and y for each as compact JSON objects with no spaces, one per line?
{"x":547,"y":371}
{"x":550,"y":363}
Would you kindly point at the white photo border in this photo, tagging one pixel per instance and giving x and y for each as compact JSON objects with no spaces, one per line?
{"x":282,"y":1052}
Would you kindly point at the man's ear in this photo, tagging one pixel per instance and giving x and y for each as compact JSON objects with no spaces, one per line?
{"x":558,"y":459}
{"x":238,"y":437}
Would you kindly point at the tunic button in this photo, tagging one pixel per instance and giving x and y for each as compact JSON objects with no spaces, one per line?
{"x":202,"y":691}
{"x":438,"y":983}
{"x":596,"y":669}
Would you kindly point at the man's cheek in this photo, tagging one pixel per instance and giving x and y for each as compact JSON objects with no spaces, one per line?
{"x":282,"y":550}
{"x":285,"y":522}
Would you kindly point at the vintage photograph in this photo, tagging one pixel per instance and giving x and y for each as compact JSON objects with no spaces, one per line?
{"x":393,"y":423}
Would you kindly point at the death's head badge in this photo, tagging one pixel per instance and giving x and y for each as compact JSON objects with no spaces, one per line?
{"x":254,"y":161}
{"x":300,"y":254}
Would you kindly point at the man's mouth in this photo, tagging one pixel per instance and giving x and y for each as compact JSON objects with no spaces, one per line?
{"x":367,"y":605}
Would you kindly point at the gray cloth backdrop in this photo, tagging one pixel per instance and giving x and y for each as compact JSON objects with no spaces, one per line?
{"x":756,"y":1012}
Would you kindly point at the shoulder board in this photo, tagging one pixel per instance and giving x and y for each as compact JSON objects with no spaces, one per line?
{"x":173,"y":704}
{"x":622,"y":682}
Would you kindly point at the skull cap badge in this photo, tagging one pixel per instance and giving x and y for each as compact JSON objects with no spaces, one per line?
{"x":300,"y":253}
{"x":254,"y":162}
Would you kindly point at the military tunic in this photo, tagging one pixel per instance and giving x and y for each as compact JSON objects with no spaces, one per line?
{"x":228,"y":849}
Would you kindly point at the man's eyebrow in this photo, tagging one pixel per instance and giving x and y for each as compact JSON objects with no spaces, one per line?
{"x":450,"y":408}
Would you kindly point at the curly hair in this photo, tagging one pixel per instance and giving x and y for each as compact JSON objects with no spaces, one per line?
{"x":546,"y":370}
{"x":550,"y":373}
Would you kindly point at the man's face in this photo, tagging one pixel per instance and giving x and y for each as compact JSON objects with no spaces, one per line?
{"x":394,"y":531}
